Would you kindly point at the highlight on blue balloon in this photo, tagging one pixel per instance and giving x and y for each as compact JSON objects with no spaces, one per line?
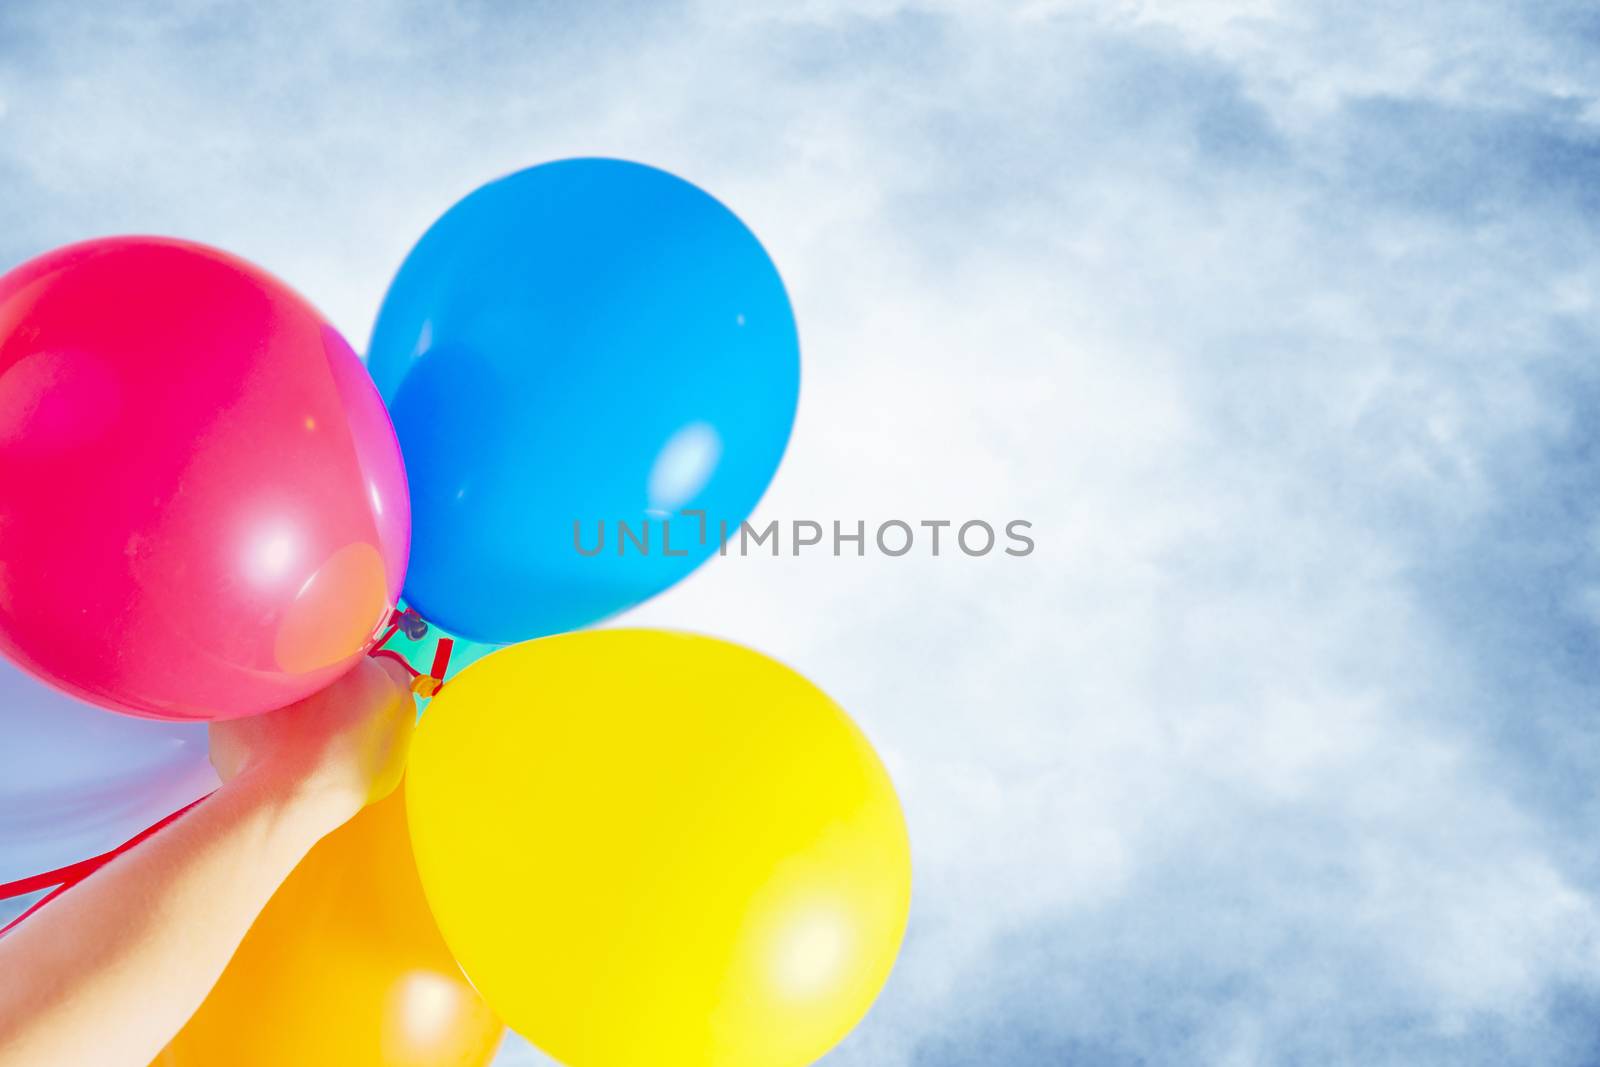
{"x":574,"y":357}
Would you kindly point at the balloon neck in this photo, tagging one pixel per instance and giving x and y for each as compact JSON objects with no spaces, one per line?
{"x":415,"y":627}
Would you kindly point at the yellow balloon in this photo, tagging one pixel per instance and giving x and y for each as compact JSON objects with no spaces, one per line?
{"x":343,"y":968}
{"x":655,"y":848}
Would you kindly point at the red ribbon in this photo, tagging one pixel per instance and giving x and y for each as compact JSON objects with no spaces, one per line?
{"x":429,"y":684}
{"x":64,"y":878}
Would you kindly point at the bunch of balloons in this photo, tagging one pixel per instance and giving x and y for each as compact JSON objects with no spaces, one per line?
{"x":631,"y":846}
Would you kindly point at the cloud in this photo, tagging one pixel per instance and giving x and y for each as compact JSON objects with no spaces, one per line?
{"x":1275,"y":319}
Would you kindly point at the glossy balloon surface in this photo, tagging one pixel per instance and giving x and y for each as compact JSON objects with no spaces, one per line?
{"x":580,"y":344}
{"x":203,"y":511}
{"x":345,"y":968}
{"x":75,"y":782}
{"x":654,"y":848}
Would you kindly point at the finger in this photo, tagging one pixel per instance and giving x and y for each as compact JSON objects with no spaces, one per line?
{"x":396,"y":672}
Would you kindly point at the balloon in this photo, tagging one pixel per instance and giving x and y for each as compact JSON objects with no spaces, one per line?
{"x":580,"y":344}
{"x":203,"y":511}
{"x":75,"y":782}
{"x":652,"y":848}
{"x":343,"y":966}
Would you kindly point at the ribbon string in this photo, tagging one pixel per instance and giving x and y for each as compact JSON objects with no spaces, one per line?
{"x":61,"y":879}
{"x":64,"y":878}
{"x":426,"y":685}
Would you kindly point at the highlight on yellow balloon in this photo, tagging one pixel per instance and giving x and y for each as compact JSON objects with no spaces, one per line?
{"x":343,"y":968}
{"x":656,"y":848}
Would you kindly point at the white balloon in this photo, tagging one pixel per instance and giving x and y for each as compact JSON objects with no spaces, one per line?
{"x":76,"y":781}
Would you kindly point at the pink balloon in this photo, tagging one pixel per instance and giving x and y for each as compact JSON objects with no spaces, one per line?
{"x":203,"y":510}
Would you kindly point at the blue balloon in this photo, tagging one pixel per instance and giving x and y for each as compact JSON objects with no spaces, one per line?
{"x":575,"y":356}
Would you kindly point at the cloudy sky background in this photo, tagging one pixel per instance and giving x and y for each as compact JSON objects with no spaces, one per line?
{"x":1276,"y":319}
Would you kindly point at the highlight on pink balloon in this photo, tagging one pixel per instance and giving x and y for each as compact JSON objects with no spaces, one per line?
{"x":203,"y":509}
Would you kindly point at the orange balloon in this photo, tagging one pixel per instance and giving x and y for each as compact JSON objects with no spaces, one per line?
{"x":343,"y":967}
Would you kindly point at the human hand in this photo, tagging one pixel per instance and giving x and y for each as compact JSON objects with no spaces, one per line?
{"x":345,"y":746}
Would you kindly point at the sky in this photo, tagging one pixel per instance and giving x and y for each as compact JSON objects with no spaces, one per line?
{"x":1275,"y":318}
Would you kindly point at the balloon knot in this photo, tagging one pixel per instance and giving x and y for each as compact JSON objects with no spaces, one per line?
{"x":413,"y":624}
